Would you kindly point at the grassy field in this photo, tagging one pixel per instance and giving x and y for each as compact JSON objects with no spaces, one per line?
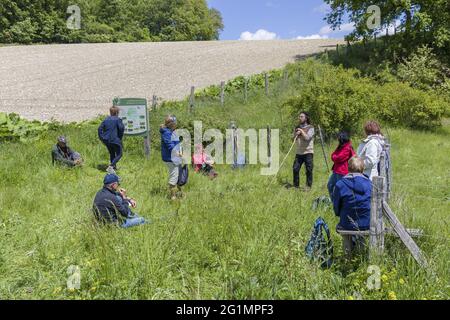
{"x":234,"y":238}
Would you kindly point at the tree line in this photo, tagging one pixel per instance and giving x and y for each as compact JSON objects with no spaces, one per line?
{"x":420,"y":22}
{"x":45,"y":21}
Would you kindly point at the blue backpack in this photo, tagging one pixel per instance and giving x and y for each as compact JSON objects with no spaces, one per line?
{"x":318,"y":248}
{"x":183,"y":175}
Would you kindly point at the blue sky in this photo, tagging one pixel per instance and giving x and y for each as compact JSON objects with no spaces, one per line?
{"x":283,"y":19}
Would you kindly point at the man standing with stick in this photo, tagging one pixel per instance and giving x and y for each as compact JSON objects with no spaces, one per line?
{"x":304,"y":135}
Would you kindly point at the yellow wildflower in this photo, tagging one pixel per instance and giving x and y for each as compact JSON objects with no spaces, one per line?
{"x":392,"y":295}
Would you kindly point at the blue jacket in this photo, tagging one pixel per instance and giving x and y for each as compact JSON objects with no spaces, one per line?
{"x":111,"y":130}
{"x":351,"y":201}
{"x":169,"y":143}
{"x":109,"y":206}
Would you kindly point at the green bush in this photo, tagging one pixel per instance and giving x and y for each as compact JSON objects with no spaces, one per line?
{"x":422,"y":70}
{"x":340,"y":99}
{"x":401,"y":105}
{"x":336,"y":98}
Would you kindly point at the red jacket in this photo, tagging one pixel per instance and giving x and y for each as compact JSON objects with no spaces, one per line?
{"x":341,"y":157}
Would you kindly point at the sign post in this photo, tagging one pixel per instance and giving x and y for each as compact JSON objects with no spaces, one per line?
{"x":135,"y":117}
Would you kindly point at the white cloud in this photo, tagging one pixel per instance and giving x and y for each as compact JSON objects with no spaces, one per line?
{"x":347,"y":27}
{"x":323,"y":8}
{"x":312,"y":37}
{"x":261,"y":34}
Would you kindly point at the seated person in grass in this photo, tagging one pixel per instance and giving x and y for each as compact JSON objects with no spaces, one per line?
{"x":111,"y":205}
{"x":351,"y":198}
{"x":202,"y":162}
{"x":62,"y":154}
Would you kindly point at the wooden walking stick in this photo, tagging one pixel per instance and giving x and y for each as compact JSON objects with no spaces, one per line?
{"x":323,"y":149}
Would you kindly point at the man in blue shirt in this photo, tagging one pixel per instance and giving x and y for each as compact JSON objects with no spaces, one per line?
{"x":111,"y":132}
{"x":111,"y":204}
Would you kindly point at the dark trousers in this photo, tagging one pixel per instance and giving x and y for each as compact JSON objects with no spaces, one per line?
{"x":308,"y":160}
{"x":115,"y":153}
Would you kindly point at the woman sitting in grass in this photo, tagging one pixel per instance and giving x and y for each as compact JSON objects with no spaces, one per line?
{"x":202,"y":162}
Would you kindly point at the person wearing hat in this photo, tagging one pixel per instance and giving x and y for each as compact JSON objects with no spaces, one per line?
{"x":111,"y":132}
{"x":170,"y":153}
{"x":112,"y":206}
{"x":62,"y":154}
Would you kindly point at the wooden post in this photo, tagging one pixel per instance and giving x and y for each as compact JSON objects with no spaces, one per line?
{"x":376,"y":235}
{"x":347,"y":245}
{"x":348,"y":47}
{"x":383,"y":173}
{"x":285,"y":79}
{"x":404,"y":236}
{"x":147,"y":141}
{"x":147,"y":145}
{"x":245,"y":89}
{"x":337,"y":49}
{"x":389,"y":174}
{"x":222,"y":93}
{"x":266,"y":81}
{"x":154,"y":102}
{"x":192,"y":99}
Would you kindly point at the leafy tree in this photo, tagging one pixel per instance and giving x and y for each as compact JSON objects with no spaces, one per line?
{"x":423,"y":21}
{"x":44,"y":21}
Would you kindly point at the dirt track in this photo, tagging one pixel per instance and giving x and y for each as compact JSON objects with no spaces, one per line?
{"x":78,"y":82}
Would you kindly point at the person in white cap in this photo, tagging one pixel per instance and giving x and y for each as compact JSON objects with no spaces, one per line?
{"x":63,"y":154}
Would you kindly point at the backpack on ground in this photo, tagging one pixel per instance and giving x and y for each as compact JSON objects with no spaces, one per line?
{"x":320,"y":246}
{"x":183,"y":175}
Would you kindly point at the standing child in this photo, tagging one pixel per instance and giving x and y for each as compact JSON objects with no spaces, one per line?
{"x":111,"y":132}
{"x":170,"y":153}
{"x":343,"y":153}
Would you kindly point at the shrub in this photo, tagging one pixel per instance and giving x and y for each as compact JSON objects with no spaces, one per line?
{"x":422,"y":70}
{"x":339,"y":99}
{"x":399,"y":104}
{"x":335,"y":98}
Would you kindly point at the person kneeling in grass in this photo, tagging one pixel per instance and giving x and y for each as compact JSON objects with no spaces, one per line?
{"x":62,"y":154}
{"x":202,"y":162}
{"x":111,"y":204}
{"x":351,"y":198}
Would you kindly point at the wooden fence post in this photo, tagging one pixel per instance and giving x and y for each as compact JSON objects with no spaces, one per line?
{"x":376,"y":236}
{"x":337,"y":49}
{"x":266,"y":83}
{"x":154,"y":102}
{"x":383,"y":173}
{"x":192,"y":99}
{"x":389,"y":174}
{"x":404,"y":236}
{"x":222,"y":93}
